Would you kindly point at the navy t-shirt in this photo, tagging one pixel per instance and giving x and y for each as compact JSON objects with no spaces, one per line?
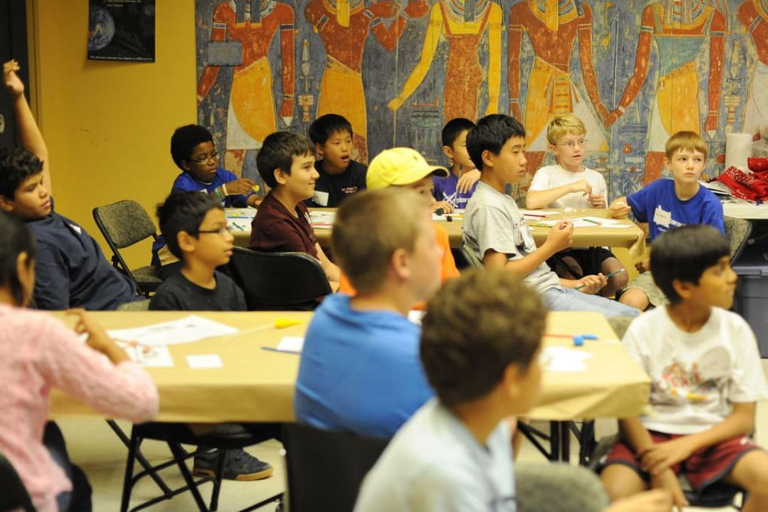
{"x":71,"y":271}
{"x":331,"y":190}
{"x":658,"y":205}
{"x":177,"y":293}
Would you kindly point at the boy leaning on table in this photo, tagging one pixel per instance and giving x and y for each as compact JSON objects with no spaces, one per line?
{"x":359,"y":369}
{"x":194,"y":152}
{"x":495,"y":232}
{"x":569,"y":184}
{"x":665,"y":204}
{"x":286,"y":163}
{"x":195,"y":229}
{"x":480,"y":350}
{"x":706,"y":378}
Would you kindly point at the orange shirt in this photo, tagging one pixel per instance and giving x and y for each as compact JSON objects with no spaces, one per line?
{"x":447,"y":265}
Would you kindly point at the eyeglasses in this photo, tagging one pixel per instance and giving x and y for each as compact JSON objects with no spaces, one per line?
{"x":223,"y":231}
{"x":214,"y":156}
{"x":572,"y":144}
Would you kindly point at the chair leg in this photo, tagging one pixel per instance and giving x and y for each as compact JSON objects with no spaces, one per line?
{"x":139,"y":457}
{"x":128,"y":478}
{"x":178,"y":455}
{"x":220,"y":461}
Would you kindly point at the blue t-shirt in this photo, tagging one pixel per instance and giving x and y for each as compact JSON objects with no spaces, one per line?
{"x":360,"y":370}
{"x":445,"y":190}
{"x":658,"y":205}
{"x":186,"y":183}
{"x":71,"y":271}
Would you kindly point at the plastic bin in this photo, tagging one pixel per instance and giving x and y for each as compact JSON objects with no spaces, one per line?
{"x":751,"y":299}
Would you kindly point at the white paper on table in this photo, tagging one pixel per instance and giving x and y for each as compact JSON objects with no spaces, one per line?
{"x":155,"y":357}
{"x":415,"y":316}
{"x":322,"y":219}
{"x":205,"y":361}
{"x":291,"y":344}
{"x":185,"y":330}
{"x":537,"y":213}
{"x":561,"y":359}
{"x":240,"y":213}
{"x":581,"y":222}
{"x":243,"y":225}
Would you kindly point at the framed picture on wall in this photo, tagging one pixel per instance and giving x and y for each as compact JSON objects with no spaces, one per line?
{"x":121,"y":30}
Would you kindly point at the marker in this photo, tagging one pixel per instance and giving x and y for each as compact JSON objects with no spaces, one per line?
{"x":592,"y":222}
{"x":607,"y":276}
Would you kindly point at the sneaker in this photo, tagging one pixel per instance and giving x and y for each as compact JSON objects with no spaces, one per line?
{"x":238,"y":465}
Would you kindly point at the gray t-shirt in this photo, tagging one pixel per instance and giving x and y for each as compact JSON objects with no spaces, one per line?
{"x":434,"y":464}
{"x":492,"y":220}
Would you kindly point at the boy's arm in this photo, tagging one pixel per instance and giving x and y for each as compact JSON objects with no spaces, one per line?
{"x":29,"y":132}
{"x":657,"y":458}
{"x":541,"y":198}
{"x":560,"y":237}
{"x":619,"y":208}
{"x":331,"y":269}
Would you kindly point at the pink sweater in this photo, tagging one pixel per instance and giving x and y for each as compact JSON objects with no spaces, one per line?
{"x":37,"y":353}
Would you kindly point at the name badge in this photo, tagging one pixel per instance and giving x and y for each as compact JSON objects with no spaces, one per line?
{"x":661,"y":217}
{"x":320,"y":198}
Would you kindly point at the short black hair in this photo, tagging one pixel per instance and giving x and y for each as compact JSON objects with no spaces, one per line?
{"x":16,"y":165}
{"x":684,"y":254}
{"x":185,"y":139}
{"x":277,"y":152}
{"x":325,"y":126}
{"x":490,"y":134}
{"x":16,"y":239}
{"x":183,"y":211}
{"x":478,"y":324}
{"x":454,"y":128}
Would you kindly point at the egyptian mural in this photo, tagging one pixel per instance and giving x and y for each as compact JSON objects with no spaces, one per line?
{"x":635,"y":71}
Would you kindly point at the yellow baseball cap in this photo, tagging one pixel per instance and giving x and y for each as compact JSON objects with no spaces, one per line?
{"x":400,"y":166}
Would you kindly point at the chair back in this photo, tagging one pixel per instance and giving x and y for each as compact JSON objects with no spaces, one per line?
{"x":278,"y":280}
{"x":13,"y":494}
{"x":469,"y":254}
{"x":326,"y":468}
{"x":738,"y":232}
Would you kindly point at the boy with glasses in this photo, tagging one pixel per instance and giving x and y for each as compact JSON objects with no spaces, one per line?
{"x":569,"y":184}
{"x":196,"y":231}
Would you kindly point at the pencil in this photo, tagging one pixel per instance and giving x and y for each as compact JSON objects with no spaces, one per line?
{"x":592,"y":222}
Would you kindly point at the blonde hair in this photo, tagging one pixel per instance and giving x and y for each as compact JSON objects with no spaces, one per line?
{"x":369,"y":227}
{"x":685,"y":140}
{"x":563,"y":125}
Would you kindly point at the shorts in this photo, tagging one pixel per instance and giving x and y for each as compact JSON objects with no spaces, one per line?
{"x":583,"y":257}
{"x":645,"y":283}
{"x":703,"y":469}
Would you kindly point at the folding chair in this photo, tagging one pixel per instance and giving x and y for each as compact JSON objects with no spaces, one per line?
{"x":123,"y":224}
{"x":13,"y":494}
{"x":278,"y":280}
{"x":738,"y":232}
{"x":326,"y":468}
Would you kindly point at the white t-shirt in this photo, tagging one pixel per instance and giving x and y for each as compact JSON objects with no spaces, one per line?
{"x":434,"y":464}
{"x":695,"y":376}
{"x":553,"y":176}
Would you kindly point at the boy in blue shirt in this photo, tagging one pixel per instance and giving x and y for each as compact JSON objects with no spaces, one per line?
{"x":340,"y":176}
{"x":359,"y":369}
{"x":665,"y":204}
{"x":194,"y":152}
{"x":454,"y":191}
{"x":71,"y":269}
{"x":197,"y":234}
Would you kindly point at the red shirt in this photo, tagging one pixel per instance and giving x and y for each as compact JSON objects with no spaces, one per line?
{"x":275,"y":229}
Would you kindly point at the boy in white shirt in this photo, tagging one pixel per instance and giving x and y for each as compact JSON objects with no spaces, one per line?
{"x":569,"y":184}
{"x":706,"y":378}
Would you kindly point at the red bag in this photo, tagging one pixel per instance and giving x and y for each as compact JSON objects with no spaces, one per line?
{"x":749,"y":186}
{"x":757,"y":164}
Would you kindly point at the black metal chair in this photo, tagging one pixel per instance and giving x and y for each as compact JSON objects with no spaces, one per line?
{"x":326,"y":468}
{"x":13,"y":494}
{"x":176,"y":434}
{"x":123,"y":224}
{"x":738,"y":232}
{"x":278,"y":280}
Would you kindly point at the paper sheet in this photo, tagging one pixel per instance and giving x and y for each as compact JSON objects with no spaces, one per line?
{"x":322,"y":219}
{"x":186,"y":330}
{"x":243,"y":225}
{"x":240,"y":213}
{"x":537,"y":213}
{"x":148,"y":357}
{"x":561,"y":359}
{"x":205,"y":361}
{"x":291,"y":344}
{"x":582,"y":222}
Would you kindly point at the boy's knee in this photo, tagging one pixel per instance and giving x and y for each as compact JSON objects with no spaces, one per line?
{"x":635,"y":298}
{"x":620,"y":482}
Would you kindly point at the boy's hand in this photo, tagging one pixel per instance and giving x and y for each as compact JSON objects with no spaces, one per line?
{"x":658,"y":500}
{"x":560,"y":236}
{"x":445,"y":205}
{"x":467,"y":180}
{"x":643,"y":265}
{"x":582,"y":186}
{"x":98,"y":339}
{"x":661,"y":456}
{"x":592,"y":284}
{"x":619,"y":209}
{"x":243,"y":187}
{"x":668,"y":480}
{"x":597,"y":201}
{"x":11,"y":79}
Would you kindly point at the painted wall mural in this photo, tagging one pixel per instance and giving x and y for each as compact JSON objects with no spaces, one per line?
{"x":635,"y":71}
